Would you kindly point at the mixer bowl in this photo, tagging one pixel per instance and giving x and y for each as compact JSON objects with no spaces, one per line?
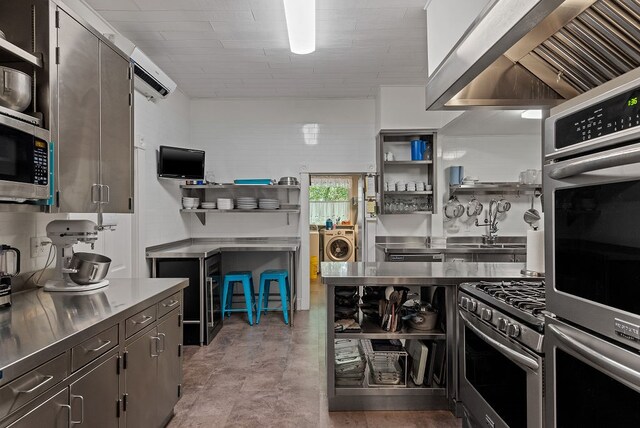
{"x":91,"y":268}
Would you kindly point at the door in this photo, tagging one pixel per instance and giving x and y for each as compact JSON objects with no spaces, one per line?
{"x":116,"y":151}
{"x":78,"y":139}
{"x":140,"y":372}
{"x":94,"y":397}
{"x":52,"y":413}
{"x":169,"y":365}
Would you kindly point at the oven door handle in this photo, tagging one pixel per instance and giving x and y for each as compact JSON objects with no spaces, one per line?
{"x":600,"y":353}
{"x":515,"y":356}
{"x":617,"y":157}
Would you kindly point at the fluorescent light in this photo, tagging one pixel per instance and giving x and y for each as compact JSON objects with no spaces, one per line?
{"x":301,"y":25}
{"x":531,"y":114}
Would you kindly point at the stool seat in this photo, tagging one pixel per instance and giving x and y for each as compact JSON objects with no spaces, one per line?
{"x":246,"y":279}
{"x":281,"y":276}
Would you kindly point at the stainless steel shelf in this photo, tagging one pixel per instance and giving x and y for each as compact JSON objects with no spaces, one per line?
{"x":411,"y":213}
{"x":408,"y":193}
{"x":20,"y":53}
{"x":380,"y":390}
{"x":495,"y":188}
{"x":239,"y":186}
{"x":235,"y":211}
{"x":409,"y":162}
{"x":373,"y":331}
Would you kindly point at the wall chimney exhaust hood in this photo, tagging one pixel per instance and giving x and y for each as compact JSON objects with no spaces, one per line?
{"x":524,"y":54}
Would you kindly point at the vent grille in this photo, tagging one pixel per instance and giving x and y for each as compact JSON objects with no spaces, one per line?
{"x":149,"y":80}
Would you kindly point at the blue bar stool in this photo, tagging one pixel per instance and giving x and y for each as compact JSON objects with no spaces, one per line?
{"x":246,"y":278}
{"x":266,"y":277}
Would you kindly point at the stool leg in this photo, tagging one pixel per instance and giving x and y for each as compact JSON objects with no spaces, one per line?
{"x":260,"y":297}
{"x":225,"y":285}
{"x":247,"y":299}
{"x":283,"y":297}
{"x":268,"y":292}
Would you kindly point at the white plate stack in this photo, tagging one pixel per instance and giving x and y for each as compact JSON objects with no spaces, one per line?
{"x":208,"y":205}
{"x":269,"y":204}
{"x":225,"y":204}
{"x":247,"y":203}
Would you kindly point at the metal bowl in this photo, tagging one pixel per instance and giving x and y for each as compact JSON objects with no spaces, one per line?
{"x":15,"y":89}
{"x":288,"y":181}
{"x":90,"y":268}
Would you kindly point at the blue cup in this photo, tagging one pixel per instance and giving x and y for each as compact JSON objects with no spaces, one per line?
{"x":456,"y":173}
{"x":416,"y":149}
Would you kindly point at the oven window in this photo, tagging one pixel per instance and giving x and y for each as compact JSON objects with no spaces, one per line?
{"x":500,"y":382}
{"x":585,"y":397}
{"x":597,"y":243}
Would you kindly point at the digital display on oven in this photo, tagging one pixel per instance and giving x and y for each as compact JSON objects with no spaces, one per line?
{"x":612,"y":115}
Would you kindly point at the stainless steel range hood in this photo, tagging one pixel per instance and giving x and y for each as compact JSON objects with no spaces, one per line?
{"x":536,"y":54}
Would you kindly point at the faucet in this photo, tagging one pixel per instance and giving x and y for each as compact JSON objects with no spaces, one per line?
{"x":491,"y":223}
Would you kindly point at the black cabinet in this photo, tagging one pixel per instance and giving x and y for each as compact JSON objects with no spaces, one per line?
{"x":202,"y":298}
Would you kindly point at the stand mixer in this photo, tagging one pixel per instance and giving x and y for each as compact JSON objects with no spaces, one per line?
{"x":64,"y":234}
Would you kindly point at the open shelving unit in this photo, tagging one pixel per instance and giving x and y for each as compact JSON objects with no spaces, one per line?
{"x":284,"y":193}
{"x":390,"y":397}
{"x":402,"y":168}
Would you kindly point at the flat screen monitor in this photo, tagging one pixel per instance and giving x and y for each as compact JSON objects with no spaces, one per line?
{"x":180,"y":163}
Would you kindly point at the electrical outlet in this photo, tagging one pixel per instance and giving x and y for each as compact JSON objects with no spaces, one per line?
{"x":40,"y":246}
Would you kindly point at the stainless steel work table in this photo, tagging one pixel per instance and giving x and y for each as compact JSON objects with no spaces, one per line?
{"x":40,"y":324}
{"x":206,"y":247}
{"x":382,"y":274}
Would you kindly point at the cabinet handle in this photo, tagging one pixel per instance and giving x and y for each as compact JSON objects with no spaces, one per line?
{"x":156,"y":340}
{"x":164,"y":339}
{"x":108,"y":198}
{"x":171,"y":303}
{"x":145,"y":319}
{"x":95,"y":193}
{"x":46,"y":380}
{"x":73,"y":397}
{"x":68,"y":407}
{"x":105,"y":344}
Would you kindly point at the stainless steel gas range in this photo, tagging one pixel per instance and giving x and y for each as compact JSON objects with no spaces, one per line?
{"x":500,"y":359}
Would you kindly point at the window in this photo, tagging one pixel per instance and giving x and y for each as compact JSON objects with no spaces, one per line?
{"x":330,"y":197}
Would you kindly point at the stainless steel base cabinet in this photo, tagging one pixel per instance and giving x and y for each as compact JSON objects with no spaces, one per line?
{"x":54,"y":412}
{"x":94,"y":398}
{"x":153,"y":373}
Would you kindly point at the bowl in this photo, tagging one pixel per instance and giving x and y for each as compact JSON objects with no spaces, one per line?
{"x":288,"y":181}
{"x":90,"y":268}
{"x":17,"y":89}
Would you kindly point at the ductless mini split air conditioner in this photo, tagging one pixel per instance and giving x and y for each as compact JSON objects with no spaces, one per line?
{"x":150,"y":80}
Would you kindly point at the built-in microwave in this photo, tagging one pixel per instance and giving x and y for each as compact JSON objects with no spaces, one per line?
{"x":24,"y":166}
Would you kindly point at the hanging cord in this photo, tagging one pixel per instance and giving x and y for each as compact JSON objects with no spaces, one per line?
{"x":41,"y":271}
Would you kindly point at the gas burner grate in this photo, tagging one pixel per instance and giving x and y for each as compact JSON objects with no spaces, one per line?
{"x":528,"y":297}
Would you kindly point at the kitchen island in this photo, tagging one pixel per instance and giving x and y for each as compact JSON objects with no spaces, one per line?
{"x":98,"y":348}
{"x":427,"y":276}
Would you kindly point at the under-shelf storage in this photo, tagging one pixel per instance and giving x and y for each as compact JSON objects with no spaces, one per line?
{"x":406,"y":186}
{"x":287,"y":195}
{"x":371,"y":367}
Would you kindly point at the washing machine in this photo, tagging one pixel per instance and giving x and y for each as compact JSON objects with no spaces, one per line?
{"x":339,"y":245}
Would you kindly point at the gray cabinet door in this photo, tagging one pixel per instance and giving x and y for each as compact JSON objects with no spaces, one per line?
{"x":494,"y":258}
{"x":116,"y":124}
{"x":169,"y":364}
{"x":94,"y":397}
{"x":53,"y":413}
{"x":141,"y":380}
{"x":78,"y":138}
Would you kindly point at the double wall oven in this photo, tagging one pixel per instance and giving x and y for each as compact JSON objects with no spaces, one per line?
{"x":592,"y":207}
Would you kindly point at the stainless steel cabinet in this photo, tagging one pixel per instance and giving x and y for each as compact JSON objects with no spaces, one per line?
{"x":494,"y":257}
{"x":140,"y":379}
{"x":169,"y":365}
{"x":94,"y":162}
{"x":94,"y":398}
{"x":53,"y":413}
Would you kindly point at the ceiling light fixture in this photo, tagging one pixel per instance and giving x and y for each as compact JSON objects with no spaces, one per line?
{"x":531,"y":114}
{"x":301,"y":25}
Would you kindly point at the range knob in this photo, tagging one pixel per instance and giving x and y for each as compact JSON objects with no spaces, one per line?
{"x":502,"y":324}
{"x":513,"y":330}
{"x":472,"y":305}
{"x":486,"y":314}
{"x":464,"y":301}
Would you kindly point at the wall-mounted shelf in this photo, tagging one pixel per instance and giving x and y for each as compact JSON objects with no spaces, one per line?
{"x":239,"y":186}
{"x":20,"y":54}
{"x":495,"y":188}
{"x":408,"y":193}
{"x":409,"y":162}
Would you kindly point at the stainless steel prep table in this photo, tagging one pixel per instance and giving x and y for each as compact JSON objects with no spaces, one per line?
{"x":40,"y":324}
{"x":203,"y":248}
{"x":447,"y":274}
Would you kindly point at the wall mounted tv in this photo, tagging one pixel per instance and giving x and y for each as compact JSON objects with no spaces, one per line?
{"x":180,"y":163}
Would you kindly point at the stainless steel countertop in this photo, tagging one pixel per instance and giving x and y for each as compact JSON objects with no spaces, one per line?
{"x":448,"y":249}
{"x":40,"y":325}
{"x":207,"y":247}
{"x":415,"y":273}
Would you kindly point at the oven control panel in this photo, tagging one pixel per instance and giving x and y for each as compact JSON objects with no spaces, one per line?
{"x":40,"y":162}
{"x":609,"y":116}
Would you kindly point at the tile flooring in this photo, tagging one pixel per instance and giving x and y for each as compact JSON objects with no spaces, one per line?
{"x":270,"y":375}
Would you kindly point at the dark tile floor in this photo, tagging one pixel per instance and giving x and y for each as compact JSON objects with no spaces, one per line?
{"x":270,"y":375}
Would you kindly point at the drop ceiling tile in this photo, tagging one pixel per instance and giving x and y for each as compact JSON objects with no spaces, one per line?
{"x":255,"y":44}
{"x":190,"y":35}
{"x":343,"y":4}
{"x":165,"y":26}
{"x":169,"y":4}
{"x":137,"y":36}
{"x":396,"y":3}
{"x":225,"y":5}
